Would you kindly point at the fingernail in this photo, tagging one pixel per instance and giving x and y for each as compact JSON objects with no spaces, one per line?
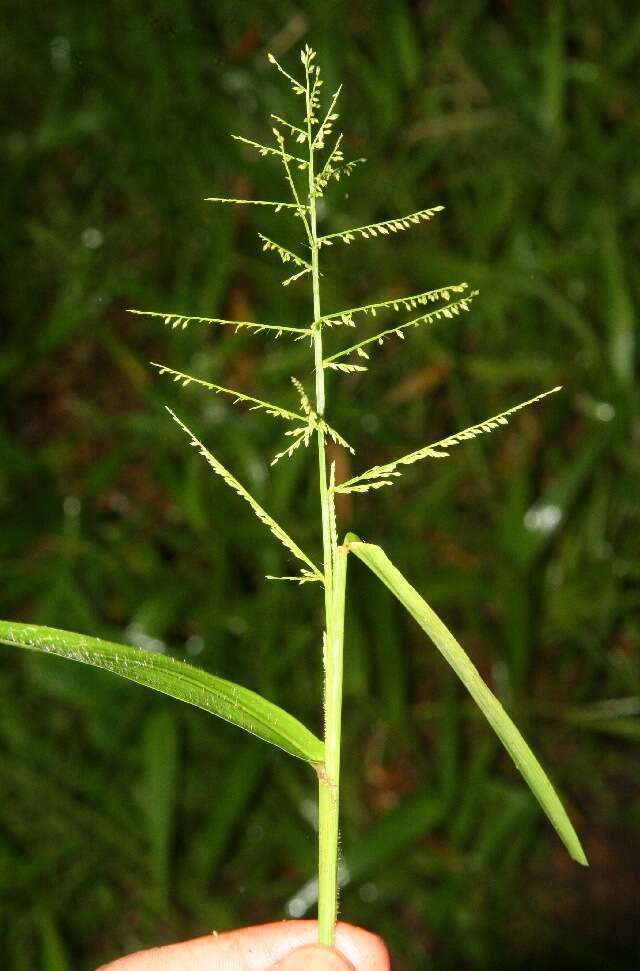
{"x":314,"y":958}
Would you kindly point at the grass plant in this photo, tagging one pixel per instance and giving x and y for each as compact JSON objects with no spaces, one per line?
{"x":310,"y":153}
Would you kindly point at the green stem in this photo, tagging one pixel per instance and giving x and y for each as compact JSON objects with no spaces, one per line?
{"x":329,"y":794}
{"x":328,"y":797}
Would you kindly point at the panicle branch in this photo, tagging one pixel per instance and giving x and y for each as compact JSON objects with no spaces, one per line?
{"x":384,"y":228}
{"x":334,"y":168}
{"x":302,"y":209}
{"x":257,"y":202}
{"x":257,"y":404}
{"x":286,"y":255}
{"x":326,"y":126}
{"x":307,"y":55}
{"x":448,"y":310}
{"x":298,"y":88}
{"x":312,"y":422}
{"x":261,"y":513}
{"x":305,"y":576}
{"x":268,"y":150}
{"x":182,"y":320}
{"x":381,"y":475}
{"x":409,"y":302}
{"x":292,"y":279}
{"x":300,"y":133}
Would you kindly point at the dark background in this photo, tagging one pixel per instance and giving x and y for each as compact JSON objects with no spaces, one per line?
{"x":127,"y":820}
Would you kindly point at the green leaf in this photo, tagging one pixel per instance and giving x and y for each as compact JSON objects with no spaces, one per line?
{"x":53,"y":953}
{"x":378,"y":562}
{"x":158,"y":791}
{"x":229,"y":701}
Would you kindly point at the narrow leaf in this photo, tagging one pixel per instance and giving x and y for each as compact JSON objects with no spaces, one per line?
{"x":376,"y":559}
{"x":229,"y":701}
{"x":158,"y":791}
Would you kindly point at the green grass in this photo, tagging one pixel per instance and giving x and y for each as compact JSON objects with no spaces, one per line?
{"x":522,"y":125}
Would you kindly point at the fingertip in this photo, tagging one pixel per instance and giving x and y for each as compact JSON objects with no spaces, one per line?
{"x":366,"y":951}
{"x":314,"y":957}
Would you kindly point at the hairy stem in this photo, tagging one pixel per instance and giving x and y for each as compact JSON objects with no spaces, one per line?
{"x":329,"y":780}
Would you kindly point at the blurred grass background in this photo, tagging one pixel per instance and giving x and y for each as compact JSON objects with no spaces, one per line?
{"x":127,"y":820}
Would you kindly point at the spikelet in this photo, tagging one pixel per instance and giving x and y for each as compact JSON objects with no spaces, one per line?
{"x":305,"y":403}
{"x":382,"y":228}
{"x":345,"y":368}
{"x":262,"y":515}
{"x":382,"y":474}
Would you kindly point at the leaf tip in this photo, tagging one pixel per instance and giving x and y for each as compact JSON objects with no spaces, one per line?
{"x":578,"y":854}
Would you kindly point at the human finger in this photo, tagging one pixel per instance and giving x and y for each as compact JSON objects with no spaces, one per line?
{"x":256,"y":949}
{"x":313,"y":957}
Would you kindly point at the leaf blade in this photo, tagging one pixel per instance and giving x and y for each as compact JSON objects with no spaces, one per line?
{"x":376,"y":559}
{"x":233,"y":703}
